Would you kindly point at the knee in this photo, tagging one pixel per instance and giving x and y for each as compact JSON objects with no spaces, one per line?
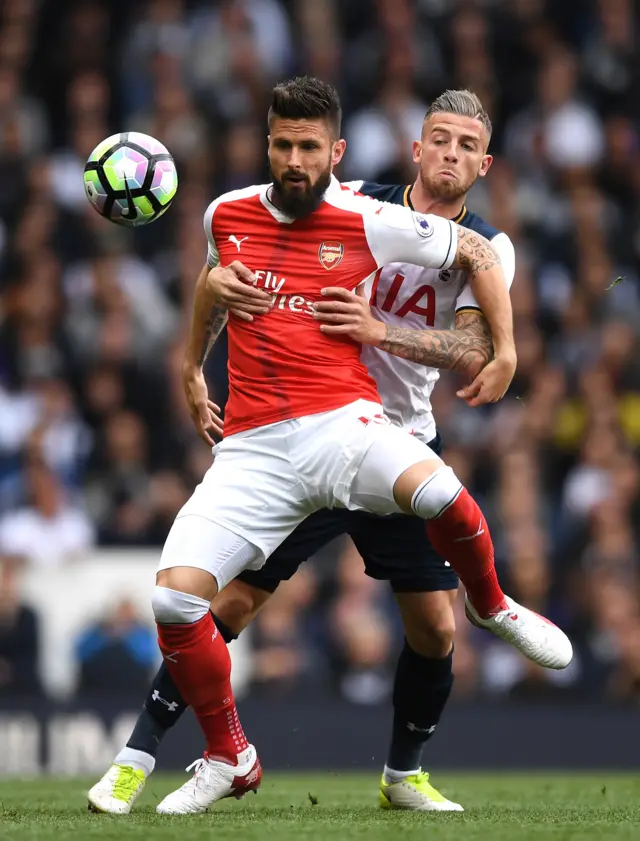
{"x":435,"y":493}
{"x":194,"y":580}
{"x":171,"y":607}
{"x":238,"y":604}
{"x":433,"y":635}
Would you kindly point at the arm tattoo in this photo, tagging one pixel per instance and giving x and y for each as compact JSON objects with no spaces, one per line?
{"x":213,"y":327}
{"x":468,"y":348}
{"x":475,"y":253}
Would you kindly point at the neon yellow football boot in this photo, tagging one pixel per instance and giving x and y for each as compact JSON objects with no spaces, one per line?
{"x":117,"y":791}
{"x":416,"y":794}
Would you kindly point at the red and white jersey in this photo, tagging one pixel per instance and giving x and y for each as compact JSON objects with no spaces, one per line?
{"x":281,"y":365}
{"x":405,"y":295}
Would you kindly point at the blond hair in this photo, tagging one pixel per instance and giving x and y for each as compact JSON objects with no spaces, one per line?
{"x":464,"y":103}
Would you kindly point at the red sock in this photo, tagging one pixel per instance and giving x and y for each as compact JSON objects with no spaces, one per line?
{"x":198,"y":660}
{"x":461,"y":536}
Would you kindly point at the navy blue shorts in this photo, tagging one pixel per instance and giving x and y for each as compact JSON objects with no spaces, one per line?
{"x":394,"y":548}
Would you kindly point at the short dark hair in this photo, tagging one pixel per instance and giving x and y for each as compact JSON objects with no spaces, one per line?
{"x":464,"y":103}
{"x":306,"y":98}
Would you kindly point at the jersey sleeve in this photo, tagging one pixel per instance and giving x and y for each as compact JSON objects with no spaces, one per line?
{"x":506,"y":253}
{"x":213,"y":258}
{"x":397,"y":234}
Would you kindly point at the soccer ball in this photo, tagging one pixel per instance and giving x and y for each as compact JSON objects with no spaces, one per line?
{"x":130,"y":178}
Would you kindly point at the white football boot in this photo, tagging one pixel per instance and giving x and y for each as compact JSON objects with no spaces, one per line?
{"x":533,"y":635}
{"x":117,"y":791}
{"x":212,"y":781}
{"x":414,"y":793}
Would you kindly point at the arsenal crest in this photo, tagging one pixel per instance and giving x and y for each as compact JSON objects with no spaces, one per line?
{"x":330,"y":254}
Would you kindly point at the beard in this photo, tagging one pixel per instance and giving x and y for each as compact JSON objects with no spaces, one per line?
{"x":445,"y":190}
{"x":296,"y":201}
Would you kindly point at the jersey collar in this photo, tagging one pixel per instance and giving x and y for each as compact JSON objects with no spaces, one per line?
{"x":406,"y":201}
{"x":460,"y":215}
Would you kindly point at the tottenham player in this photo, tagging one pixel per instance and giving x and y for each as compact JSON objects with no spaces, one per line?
{"x":216,"y":779}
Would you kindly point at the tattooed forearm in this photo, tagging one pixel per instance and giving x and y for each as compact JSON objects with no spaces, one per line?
{"x":475,"y":253}
{"x":213,"y":327}
{"x":467,"y":349}
{"x":477,"y":257}
{"x":207,"y":322}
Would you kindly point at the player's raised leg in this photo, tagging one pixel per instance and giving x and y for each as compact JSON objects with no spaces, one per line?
{"x":459,"y":532}
{"x":400,"y":471}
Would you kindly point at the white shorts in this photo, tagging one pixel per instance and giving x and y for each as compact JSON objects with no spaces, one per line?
{"x":265,"y":481}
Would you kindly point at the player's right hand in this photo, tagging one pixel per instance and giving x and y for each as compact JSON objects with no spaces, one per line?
{"x":492,"y":382}
{"x":205,"y":414}
{"x":233,"y":288}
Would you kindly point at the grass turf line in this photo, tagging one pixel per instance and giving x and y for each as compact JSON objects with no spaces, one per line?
{"x":514,"y":807}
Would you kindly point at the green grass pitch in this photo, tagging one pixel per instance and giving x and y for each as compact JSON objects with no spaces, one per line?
{"x":499,"y":807}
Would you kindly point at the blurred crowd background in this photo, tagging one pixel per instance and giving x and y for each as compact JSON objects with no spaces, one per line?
{"x":96,"y":446}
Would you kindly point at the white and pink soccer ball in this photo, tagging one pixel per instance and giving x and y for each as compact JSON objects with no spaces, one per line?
{"x":130,"y":178}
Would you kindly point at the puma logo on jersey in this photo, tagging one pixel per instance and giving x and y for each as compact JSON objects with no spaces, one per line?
{"x":237,"y":242}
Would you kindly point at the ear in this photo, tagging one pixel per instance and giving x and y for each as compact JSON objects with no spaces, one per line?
{"x":339,"y":148}
{"x":484,"y":166}
{"x":417,"y":151}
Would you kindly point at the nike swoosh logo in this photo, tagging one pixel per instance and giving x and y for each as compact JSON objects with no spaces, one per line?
{"x":471,"y":536}
{"x":132,"y":212}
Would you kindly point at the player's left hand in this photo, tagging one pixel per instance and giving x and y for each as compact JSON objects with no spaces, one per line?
{"x":205,"y":414}
{"x":348,"y":314}
{"x":491,"y":384}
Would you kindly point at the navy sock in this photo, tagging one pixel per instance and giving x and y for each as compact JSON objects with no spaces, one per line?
{"x":164,"y":705}
{"x":421,"y":690}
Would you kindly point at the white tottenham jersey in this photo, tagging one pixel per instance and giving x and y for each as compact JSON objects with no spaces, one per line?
{"x":405,"y":295}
